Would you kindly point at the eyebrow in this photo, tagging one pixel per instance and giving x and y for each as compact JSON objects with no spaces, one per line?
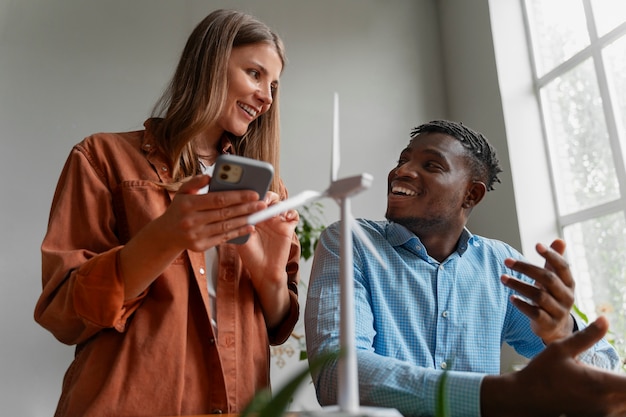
{"x":263,"y":70}
{"x":435,"y":153}
{"x":430,"y":151}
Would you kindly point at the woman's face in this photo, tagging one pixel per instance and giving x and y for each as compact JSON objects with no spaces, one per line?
{"x":253,"y":73}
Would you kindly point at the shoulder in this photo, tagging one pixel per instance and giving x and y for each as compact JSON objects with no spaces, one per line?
{"x":376,"y":232}
{"x":493,"y":247}
{"x":106,"y":144}
{"x":373,"y":227}
{"x":116,"y":157}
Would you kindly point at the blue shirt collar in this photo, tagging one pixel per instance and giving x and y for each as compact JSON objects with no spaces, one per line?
{"x":398,"y":235}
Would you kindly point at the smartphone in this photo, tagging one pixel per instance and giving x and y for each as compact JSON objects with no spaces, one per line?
{"x":233,"y":172}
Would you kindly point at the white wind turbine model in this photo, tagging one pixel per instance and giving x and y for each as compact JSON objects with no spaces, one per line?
{"x":341,"y":191}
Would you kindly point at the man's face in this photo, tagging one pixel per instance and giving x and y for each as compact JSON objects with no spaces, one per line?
{"x":427,"y":190}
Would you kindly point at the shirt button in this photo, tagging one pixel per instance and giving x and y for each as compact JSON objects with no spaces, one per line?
{"x":164,"y":168}
{"x":441,"y":267}
{"x":201,"y":270}
{"x":444,"y":314}
{"x":212,"y":341}
{"x":444,"y":365}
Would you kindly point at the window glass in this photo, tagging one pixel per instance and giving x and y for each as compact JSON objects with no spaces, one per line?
{"x":595,"y":251}
{"x":584,"y":171}
{"x":587,"y":155}
{"x":558,"y":31}
{"x":608,"y":14}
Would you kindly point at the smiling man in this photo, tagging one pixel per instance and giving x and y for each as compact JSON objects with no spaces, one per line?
{"x":444,"y":300}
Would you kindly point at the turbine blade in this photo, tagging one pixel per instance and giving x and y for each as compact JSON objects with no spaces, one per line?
{"x":358,"y":231}
{"x":288,"y":204}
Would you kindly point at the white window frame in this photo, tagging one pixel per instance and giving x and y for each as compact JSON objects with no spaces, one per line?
{"x":539,"y":219}
{"x":593,"y":51}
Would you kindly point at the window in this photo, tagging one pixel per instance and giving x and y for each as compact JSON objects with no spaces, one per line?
{"x":578,"y":52}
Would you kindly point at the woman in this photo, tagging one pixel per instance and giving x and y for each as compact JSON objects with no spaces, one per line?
{"x":167,"y":318}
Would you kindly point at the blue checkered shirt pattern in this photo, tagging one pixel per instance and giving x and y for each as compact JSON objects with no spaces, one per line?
{"x":416,"y":317}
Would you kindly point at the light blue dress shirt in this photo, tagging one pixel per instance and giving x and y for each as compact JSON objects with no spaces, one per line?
{"x":416,"y":317}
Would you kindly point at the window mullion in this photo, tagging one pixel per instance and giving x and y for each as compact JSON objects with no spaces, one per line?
{"x":591,"y":212}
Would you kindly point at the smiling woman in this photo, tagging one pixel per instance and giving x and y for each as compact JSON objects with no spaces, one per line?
{"x":152,"y":279}
{"x":253,"y":73}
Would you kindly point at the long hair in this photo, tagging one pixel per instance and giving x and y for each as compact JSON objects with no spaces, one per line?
{"x":196,"y":94}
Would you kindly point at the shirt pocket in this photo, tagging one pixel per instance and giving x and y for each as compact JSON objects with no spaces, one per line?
{"x":136,"y":203}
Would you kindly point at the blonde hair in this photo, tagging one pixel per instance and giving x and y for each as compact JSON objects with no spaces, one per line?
{"x":196,"y":94}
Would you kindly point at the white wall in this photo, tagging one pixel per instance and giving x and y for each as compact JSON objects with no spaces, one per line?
{"x":473,"y":97}
{"x":69,"y":68}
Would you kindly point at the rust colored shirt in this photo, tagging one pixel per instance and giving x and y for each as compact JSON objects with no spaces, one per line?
{"x":156,"y":354}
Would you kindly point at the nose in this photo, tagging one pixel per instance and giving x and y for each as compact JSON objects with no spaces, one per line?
{"x":265,"y":94}
{"x":405,"y":170}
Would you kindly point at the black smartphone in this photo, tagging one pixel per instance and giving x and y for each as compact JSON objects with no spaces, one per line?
{"x":233,"y":172}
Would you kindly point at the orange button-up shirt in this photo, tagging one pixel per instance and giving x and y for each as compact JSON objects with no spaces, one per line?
{"x":156,"y":354}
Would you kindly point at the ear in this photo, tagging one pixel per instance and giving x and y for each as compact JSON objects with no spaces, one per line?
{"x":475,"y":194}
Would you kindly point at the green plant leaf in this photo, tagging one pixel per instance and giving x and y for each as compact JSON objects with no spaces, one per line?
{"x":309,"y":228}
{"x":442,"y":406}
{"x":582,"y":315}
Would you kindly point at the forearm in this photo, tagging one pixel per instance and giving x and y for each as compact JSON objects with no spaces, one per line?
{"x":144,"y":258}
{"x":274,"y":272}
{"x":275,"y":301}
{"x":412,"y":390}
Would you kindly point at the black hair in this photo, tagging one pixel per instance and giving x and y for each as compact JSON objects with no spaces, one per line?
{"x":484,"y":162}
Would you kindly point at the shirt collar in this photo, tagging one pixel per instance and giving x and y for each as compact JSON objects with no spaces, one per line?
{"x":399,"y":235}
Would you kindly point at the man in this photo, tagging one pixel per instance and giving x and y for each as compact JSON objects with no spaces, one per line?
{"x":445,"y":300}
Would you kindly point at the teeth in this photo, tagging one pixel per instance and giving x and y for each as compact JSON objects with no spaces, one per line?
{"x":251,"y":111}
{"x":402,"y":190}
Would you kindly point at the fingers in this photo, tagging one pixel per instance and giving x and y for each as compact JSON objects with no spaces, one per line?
{"x":556,"y":277}
{"x":553,"y":291}
{"x":271,"y":198}
{"x":586,"y":338}
{"x":291,"y":215}
{"x":194,"y":184}
{"x":556,"y":262}
{"x":558,"y":245}
{"x":204,"y":220}
{"x":547,"y":301}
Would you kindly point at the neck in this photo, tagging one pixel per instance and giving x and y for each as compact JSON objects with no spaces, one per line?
{"x":206,"y":146}
{"x":439,"y":245}
{"x":440,"y":249}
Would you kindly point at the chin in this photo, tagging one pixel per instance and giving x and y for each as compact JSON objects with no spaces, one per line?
{"x":389,"y":215}
{"x":239,"y":132}
{"x":238,"y":129}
